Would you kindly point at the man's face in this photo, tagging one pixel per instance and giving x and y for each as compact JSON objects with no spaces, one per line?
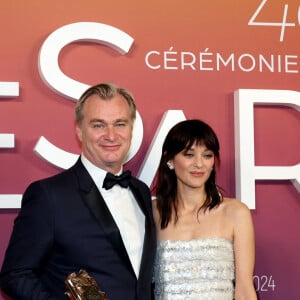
{"x":106,"y":131}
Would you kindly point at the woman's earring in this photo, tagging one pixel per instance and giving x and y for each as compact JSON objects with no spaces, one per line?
{"x":170,"y":165}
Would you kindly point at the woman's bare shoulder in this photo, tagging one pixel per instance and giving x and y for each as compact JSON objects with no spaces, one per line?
{"x":235,"y":208}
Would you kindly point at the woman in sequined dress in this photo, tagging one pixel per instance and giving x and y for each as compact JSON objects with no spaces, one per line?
{"x":205,"y":240}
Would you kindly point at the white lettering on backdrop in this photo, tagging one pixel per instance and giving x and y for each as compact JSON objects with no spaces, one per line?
{"x":8,"y":90}
{"x":66,"y":86}
{"x":246,"y":171}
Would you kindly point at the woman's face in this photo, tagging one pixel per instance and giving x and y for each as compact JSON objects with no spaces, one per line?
{"x":193,"y":166}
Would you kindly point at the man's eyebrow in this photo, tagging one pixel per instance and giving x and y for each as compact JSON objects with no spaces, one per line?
{"x":97,"y":120}
{"x":124,"y":120}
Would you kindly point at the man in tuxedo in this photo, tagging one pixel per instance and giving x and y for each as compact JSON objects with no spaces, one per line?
{"x":85,"y":217}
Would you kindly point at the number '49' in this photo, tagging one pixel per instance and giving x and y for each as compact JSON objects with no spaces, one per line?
{"x":282,"y":24}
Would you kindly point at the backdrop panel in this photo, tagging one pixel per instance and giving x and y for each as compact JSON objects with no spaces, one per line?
{"x":189,"y":56}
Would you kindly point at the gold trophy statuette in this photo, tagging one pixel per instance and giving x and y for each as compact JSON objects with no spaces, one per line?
{"x":81,"y":286}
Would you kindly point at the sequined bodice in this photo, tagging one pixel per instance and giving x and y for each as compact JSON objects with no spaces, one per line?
{"x":201,"y":269}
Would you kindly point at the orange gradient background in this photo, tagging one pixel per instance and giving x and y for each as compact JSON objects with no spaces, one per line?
{"x":191,"y":26}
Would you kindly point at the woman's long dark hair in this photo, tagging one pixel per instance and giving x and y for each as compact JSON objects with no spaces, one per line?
{"x":182,"y":136}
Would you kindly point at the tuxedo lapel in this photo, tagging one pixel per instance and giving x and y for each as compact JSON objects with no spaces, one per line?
{"x":95,"y":202}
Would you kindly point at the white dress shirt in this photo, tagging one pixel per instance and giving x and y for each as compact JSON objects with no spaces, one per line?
{"x":125,"y":211}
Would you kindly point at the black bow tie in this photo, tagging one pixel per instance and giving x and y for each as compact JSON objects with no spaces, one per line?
{"x":110,"y":180}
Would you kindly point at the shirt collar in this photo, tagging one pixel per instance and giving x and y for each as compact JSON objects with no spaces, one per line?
{"x":96,"y":173}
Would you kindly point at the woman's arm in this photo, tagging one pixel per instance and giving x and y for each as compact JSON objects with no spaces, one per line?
{"x":244,"y":249}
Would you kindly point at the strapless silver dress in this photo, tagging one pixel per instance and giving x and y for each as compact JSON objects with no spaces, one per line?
{"x":200,"y":269}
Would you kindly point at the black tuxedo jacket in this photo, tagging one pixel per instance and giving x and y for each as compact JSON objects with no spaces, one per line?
{"x":63,"y":226}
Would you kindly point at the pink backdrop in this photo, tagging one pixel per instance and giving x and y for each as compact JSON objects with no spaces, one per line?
{"x":211,"y":27}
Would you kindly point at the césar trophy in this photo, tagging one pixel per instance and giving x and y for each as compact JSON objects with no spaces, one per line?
{"x":81,"y":286}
